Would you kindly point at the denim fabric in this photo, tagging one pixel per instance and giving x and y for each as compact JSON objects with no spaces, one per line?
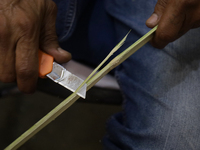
{"x":88,"y":43}
{"x":65,"y":18}
{"x":161,"y":109}
{"x":69,"y":11}
{"x":161,"y":92}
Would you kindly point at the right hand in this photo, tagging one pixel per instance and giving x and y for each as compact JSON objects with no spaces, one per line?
{"x":174,"y":18}
{"x":25,"y":27}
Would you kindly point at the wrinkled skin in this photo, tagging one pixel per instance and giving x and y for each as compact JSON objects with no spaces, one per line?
{"x":25,"y":27}
{"x":174,"y":18}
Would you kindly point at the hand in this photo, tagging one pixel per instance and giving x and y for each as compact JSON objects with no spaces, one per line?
{"x":25,"y":27}
{"x":174,"y":18}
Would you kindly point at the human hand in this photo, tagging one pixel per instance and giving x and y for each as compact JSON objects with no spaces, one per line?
{"x":174,"y":18}
{"x":25,"y":27}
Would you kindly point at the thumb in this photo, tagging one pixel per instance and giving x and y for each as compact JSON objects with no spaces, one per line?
{"x":48,"y":38}
{"x":157,"y":14}
{"x":53,"y":49}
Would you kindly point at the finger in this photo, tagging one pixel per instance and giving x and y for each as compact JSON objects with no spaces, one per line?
{"x":196,"y":25}
{"x":195,"y":11}
{"x":7,"y":54}
{"x":157,"y":14}
{"x":48,"y":37}
{"x":171,"y":25}
{"x":7,"y":63}
{"x":27,"y":64}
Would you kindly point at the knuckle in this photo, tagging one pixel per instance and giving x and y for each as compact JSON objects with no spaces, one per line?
{"x":26,"y":24}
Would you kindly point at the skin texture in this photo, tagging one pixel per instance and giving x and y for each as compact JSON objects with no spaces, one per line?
{"x":25,"y":27}
{"x":174,"y":18}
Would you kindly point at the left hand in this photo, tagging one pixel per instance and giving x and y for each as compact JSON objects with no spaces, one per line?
{"x":174,"y":18}
{"x":25,"y":27}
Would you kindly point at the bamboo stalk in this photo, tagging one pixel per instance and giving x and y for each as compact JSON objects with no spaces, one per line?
{"x":73,"y":97}
{"x":103,"y":62}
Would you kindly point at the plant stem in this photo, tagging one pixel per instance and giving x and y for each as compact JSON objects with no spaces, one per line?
{"x":53,"y":114}
{"x":103,"y":62}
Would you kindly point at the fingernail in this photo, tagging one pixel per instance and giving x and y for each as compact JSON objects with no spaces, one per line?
{"x":60,"y":49}
{"x":152,"y":21}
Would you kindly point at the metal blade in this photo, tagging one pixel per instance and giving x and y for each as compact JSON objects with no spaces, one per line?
{"x":65,"y":78}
